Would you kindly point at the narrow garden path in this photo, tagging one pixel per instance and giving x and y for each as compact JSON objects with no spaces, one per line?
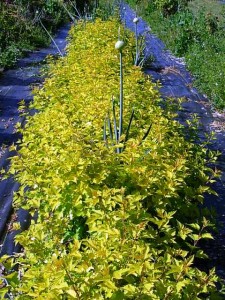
{"x":16,"y":85}
{"x":177,"y":82}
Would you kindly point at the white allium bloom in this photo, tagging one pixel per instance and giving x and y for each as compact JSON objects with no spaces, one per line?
{"x":119,"y":45}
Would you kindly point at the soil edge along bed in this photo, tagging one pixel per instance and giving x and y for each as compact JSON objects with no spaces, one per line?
{"x":111,"y":224}
{"x":15,"y":86}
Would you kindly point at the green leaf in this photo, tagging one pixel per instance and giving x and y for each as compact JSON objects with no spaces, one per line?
{"x":118,"y":295}
{"x":207,"y":235}
{"x":72,"y":293}
{"x":195,"y":226}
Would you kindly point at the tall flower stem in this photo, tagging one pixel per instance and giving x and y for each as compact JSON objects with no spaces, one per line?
{"x":136,"y":40}
{"x":45,"y":29}
{"x":119,"y":46}
{"x":121,"y":95}
{"x":135,"y":21}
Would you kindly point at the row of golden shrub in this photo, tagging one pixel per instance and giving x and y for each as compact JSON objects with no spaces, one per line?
{"x":109,"y":226}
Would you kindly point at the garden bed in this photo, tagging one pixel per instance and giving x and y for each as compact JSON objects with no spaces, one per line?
{"x":110,"y":225}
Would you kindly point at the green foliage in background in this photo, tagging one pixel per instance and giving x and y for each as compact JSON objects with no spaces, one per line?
{"x":20,"y":31}
{"x":195,"y":32}
{"x":166,"y":7}
{"x":109,"y":226}
{"x":170,"y":7}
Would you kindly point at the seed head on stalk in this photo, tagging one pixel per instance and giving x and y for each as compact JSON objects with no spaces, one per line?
{"x":119,"y":46}
{"x":135,"y":21}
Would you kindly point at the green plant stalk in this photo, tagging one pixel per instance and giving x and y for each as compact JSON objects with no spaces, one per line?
{"x":136,"y":41}
{"x":68,"y":12}
{"x":110,"y":128}
{"x":77,"y":11}
{"x":114,"y":121}
{"x":45,"y":29}
{"x":121,"y":96}
{"x":141,"y":51}
{"x":129,"y":125}
{"x":104,"y":131}
{"x":147,"y":133}
{"x":115,"y":124}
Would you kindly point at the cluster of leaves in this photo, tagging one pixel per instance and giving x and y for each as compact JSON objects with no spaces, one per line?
{"x":19,"y":30}
{"x":109,"y":226}
{"x":170,"y":7}
{"x":166,"y":7}
{"x":197,"y":35}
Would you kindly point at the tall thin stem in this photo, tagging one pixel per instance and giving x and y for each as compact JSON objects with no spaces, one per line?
{"x":51,"y":37}
{"x":77,"y":11}
{"x":68,"y":12}
{"x":121,"y":96}
{"x":110,"y":128}
{"x":104,"y":131}
{"x":114,"y":121}
{"x":136,"y":40}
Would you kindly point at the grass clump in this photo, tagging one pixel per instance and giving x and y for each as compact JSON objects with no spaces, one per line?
{"x":109,"y":225}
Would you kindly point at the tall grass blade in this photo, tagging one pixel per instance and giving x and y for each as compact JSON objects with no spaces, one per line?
{"x":129,"y":125}
{"x":104,"y":131}
{"x":114,"y":121}
{"x":76,"y":10}
{"x":136,"y":41}
{"x":110,"y":128}
{"x":45,"y":29}
{"x":146,"y":134}
{"x":121,"y":96}
{"x":68,"y":12}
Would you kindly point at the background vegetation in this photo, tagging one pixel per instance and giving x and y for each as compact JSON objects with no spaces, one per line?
{"x":194,"y":30}
{"x":20,"y":29}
